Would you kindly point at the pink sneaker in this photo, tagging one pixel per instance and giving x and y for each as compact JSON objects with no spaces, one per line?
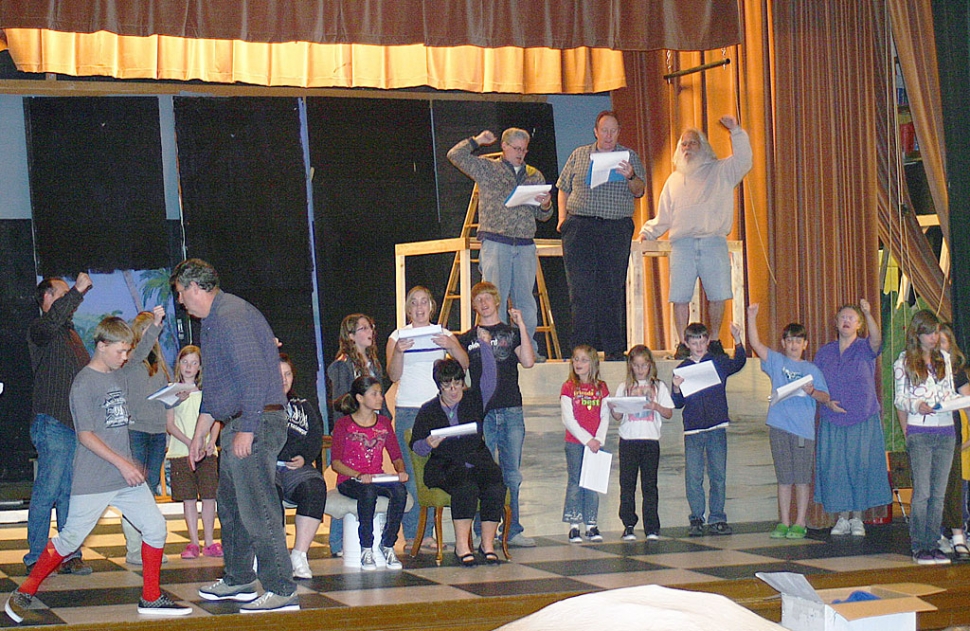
{"x":215,"y":550}
{"x":191,"y":552}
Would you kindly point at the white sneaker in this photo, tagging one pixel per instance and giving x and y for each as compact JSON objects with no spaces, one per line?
{"x":842,"y":528}
{"x":392,"y":561}
{"x":301,"y":567}
{"x":367,"y":561}
{"x":945,"y":544}
{"x":856,"y":527}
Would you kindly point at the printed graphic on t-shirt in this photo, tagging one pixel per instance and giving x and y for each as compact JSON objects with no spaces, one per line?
{"x":369,"y":442}
{"x":504,"y":342}
{"x":791,"y":375}
{"x":115,"y":409}
{"x":297,"y":418}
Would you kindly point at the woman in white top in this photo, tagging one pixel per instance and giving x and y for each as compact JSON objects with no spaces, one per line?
{"x":411,"y":368}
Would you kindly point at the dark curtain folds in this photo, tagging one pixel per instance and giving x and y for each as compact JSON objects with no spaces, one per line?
{"x":561,"y":24}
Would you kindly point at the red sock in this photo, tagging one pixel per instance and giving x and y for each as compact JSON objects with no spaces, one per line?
{"x":151,"y":565}
{"x":48,"y":562}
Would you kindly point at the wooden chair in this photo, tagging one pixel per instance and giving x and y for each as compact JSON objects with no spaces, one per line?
{"x":438,"y":499}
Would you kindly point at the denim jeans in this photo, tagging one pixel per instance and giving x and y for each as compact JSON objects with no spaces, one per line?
{"x":366,"y":496}
{"x":512,"y":269}
{"x":149,"y":450}
{"x":404,"y":421}
{"x":930,"y":456}
{"x":706,"y":450}
{"x":504,"y":431}
{"x":248,"y":503}
{"x":582,"y":505}
{"x":55,"y":444}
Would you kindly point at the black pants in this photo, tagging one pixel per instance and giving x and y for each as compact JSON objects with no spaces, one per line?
{"x":639,"y":457}
{"x":366,"y":496}
{"x":479,"y":484}
{"x":596,"y":253}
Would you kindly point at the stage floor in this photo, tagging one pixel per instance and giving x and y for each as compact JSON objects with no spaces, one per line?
{"x":554,"y":566}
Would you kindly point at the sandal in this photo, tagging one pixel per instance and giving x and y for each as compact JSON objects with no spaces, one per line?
{"x":490,"y":558}
{"x":467,"y":560}
{"x":961,"y":552}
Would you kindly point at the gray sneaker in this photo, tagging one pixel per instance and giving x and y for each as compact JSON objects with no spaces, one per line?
{"x":18,"y":604}
{"x":521,"y":541}
{"x":221,"y":590}
{"x":367,"y":562}
{"x":272,"y":602}
{"x":391,"y":558}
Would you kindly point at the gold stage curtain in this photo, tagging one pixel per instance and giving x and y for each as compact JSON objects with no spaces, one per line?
{"x":301,"y":64}
{"x":562,"y":24}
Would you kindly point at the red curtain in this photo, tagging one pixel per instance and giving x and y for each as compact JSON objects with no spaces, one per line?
{"x":561,"y":24}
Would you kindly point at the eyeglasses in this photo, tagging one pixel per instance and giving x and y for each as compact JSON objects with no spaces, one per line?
{"x":455,"y":384}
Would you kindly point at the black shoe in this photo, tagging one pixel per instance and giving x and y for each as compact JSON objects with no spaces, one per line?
{"x":696,"y":528}
{"x":682,"y":351}
{"x":961,"y":554}
{"x":628,"y":534}
{"x":76,"y":566}
{"x":618,"y":356}
{"x":716,"y":348}
{"x":721,"y":528}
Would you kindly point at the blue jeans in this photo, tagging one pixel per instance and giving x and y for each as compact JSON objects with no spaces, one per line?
{"x":582,"y":505}
{"x":149,"y":450}
{"x":55,"y":444}
{"x":404,"y":421}
{"x":248,"y":503}
{"x":930,"y":456}
{"x":512,"y":269}
{"x":504,"y":431}
{"x":706,"y":450}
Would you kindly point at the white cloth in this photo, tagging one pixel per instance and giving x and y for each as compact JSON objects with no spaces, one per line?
{"x":644,"y":608}
{"x":417,"y":386}
{"x":645,"y":426}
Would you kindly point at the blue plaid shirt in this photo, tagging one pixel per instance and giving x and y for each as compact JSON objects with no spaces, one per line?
{"x":612,"y":200}
{"x":242,"y":363}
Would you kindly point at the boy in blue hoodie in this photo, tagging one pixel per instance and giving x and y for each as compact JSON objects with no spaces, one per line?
{"x":705,"y":430}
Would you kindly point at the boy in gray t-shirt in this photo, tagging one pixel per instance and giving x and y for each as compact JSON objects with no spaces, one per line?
{"x":104,"y":475}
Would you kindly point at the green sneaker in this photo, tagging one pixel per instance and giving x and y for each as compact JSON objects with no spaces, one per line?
{"x":796,"y":532}
{"x":781,"y":531}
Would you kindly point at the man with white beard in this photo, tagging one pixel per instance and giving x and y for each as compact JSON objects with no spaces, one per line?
{"x":697,"y":207}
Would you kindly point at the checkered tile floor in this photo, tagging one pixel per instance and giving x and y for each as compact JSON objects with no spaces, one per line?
{"x":553,"y":566}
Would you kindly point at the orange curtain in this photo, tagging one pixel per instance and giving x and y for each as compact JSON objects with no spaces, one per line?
{"x":301,"y":64}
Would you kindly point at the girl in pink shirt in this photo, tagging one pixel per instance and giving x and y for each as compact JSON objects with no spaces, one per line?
{"x":359,"y":442}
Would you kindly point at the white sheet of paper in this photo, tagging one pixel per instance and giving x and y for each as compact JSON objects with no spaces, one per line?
{"x":793,"y":389}
{"x":957,"y":403}
{"x":384,"y":478}
{"x":627,"y":405}
{"x":456,"y":430}
{"x":697,"y":377}
{"x":603,"y":163}
{"x":169,"y":394}
{"x":526,"y":194}
{"x":595,"y":474}
{"x":422,"y":338}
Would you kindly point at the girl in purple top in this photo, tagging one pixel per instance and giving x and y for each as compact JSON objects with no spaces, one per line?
{"x":357,"y":455}
{"x":850,"y":451}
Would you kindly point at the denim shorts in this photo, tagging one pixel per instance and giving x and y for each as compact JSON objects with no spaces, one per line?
{"x":707,"y":259}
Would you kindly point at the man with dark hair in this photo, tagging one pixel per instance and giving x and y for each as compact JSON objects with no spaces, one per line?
{"x":596,"y":223}
{"x":244,"y":391}
{"x":57,"y":355}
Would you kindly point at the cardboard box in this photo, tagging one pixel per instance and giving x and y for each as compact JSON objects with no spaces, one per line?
{"x":895,"y":610}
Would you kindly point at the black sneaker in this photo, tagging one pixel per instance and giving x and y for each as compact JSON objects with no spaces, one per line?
{"x":696,"y":528}
{"x":628,"y":534}
{"x":721,"y":528}
{"x":716,"y":348}
{"x":162,"y":606}
{"x":574,"y":536}
{"x":593,"y":534}
{"x":682,"y":351}
{"x":76,"y":566}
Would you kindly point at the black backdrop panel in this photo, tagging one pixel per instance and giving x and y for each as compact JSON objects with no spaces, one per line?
{"x":244,"y":205}
{"x":373,"y":187}
{"x":96,"y":184}
{"x":17,"y":309}
{"x":455,"y":120}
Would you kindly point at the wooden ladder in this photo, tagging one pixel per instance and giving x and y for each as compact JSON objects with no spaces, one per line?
{"x":546,"y":325}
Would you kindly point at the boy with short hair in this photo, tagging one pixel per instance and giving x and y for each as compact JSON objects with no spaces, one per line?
{"x":791,"y":422}
{"x":705,"y":430}
{"x":104,"y":475}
